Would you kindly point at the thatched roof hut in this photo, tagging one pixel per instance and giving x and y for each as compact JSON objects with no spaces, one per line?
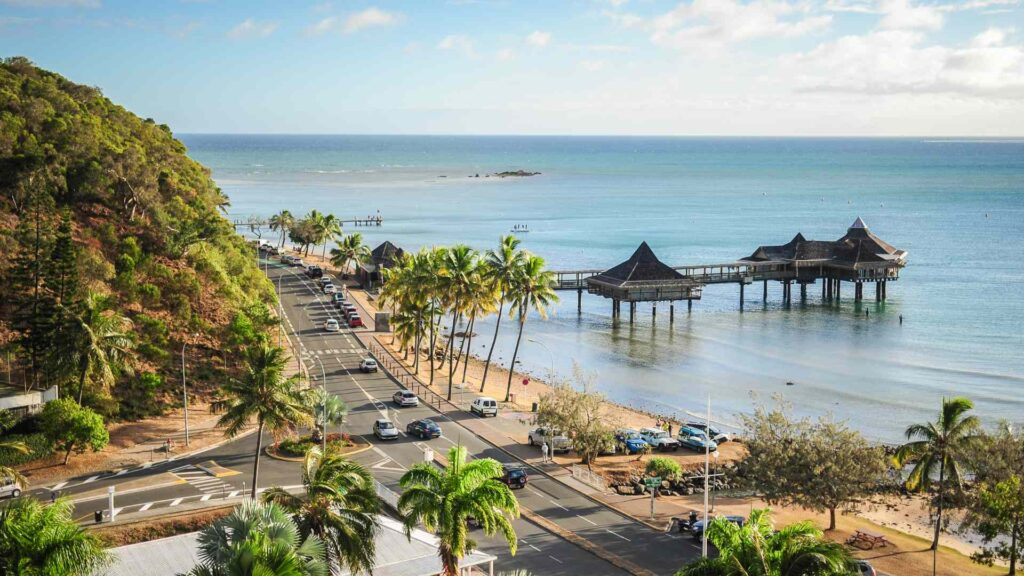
{"x":643,"y":278}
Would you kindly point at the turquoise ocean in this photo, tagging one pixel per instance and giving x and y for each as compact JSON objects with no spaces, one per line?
{"x":956,"y":205}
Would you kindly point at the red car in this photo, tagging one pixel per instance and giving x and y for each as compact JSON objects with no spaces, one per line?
{"x":354,"y":321}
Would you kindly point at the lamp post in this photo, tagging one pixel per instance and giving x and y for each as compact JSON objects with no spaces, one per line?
{"x":707,"y":465}
{"x":184,"y":391}
{"x":550,"y":354}
{"x":323,"y":408}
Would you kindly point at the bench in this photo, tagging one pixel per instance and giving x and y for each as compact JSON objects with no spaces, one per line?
{"x":867,"y":540}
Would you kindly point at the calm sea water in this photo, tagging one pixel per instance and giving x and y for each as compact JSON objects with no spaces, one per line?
{"x":956,"y":205}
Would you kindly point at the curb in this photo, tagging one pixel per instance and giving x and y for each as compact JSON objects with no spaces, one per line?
{"x":132,"y":491}
{"x":267,"y":451}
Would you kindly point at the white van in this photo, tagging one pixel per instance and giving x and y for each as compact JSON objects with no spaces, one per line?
{"x":484,"y":406}
{"x":10,"y":488}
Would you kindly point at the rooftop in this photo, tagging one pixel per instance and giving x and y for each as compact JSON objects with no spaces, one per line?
{"x":858,"y":246}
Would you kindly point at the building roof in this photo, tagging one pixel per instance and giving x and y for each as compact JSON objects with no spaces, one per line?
{"x":397,"y":555}
{"x":387,"y":253}
{"x":642,"y":267}
{"x":859,"y":245}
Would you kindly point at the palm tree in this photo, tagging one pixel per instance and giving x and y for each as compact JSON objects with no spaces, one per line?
{"x":339,"y":506}
{"x":443,"y":500}
{"x":259,"y":539}
{"x":282,"y":221}
{"x":757,"y":549}
{"x":103,"y":342}
{"x":327,"y":410}
{"x":940,"y":449}
{"x":350,"y":250}
{"x":328,"y":228}
{"x":8,"y":471}
{"x":459,"y":277}
{"x":479,"y":303}
{"x":531,"y":290}
{"x":503,"y":265}
{"x":37,"y":540}
{"x":265,"y":394}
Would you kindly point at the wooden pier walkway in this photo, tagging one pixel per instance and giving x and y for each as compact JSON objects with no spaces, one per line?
{"x":368,"y":221}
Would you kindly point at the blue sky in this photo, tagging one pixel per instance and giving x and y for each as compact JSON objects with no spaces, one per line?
{"x":729,"y":67}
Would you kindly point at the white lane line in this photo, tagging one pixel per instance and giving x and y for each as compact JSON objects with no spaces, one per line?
{"x":555,"y":559}
{"x":617,"y":534}
{"x":176,"y":501}
{"x":205,"y":497}
{"x":59,"y":486}
{"x":588,"y":520}
{"x":90,"y":479}
{"x":534,"y":547}
{"x":560,"y":506}
{"x":233,"y":493}
{"x":119,"y":472}
{"x":146,"y":506}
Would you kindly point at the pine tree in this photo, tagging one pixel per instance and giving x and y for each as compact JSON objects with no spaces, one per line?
{"x":63,"y":279}
{"x":63,"y":282}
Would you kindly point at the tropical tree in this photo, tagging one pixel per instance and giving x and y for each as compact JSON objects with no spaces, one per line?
{"x":531,"y":290}
{"x":282,"y":221}
{"x":459,"y":276}
{"x":443,"y":500}
{"x":503,"y":267}
{"x":37,"y":540}
{"x":263,"y":393}
{"x":339,"y":506}
{"x":7,"y":471}
{"x":479,"y":303}
{"x":259,"y":539}
{"x":938,"y":452}
{"x":757,"y":549}
{"x":71,"y":427}
{"x":327,"y":409}
{"x":350,"y":250}
{"x":996,"y":507}
{"x":330,"y":230}
{"x":103,"y":342}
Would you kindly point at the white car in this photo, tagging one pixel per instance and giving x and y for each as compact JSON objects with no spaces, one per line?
{"x":659,"y":439}
{"x":368,"y":365}
{"x":330,"y":289}
{"x":557,"y":441}
{"x":484,"y":406}
{"x":405,"y":398}
{"x":385,"y":430}
{"x":10,"y":488}
{"x":331,"y":325}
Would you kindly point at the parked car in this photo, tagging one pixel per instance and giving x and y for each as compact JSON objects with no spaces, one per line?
{"x":287,"y":259}
{"x":864,"y":568}
{"x":697,"y":528}
{"x":354,"y":321}
{"x":659,"y":439}
{"x":717,"y":435}
{"x":298,"y":262}
{"x":405,"y":398}
{"x":325,"y":279}
{"x":556,"y":440}
{"x":514,"y":476}
{"x":425,"y":429}
{"x":630,"y":440}
{"x":483,"y":406}
{"x":337,"y":297}
{"x":10,"y":488}
{"x":385,"y":430}
{"x":695,"y":439}
{"x":368,"y":365}
{"x":314,"y":271}
{"x":330,"y":289}
{"x":608,"y":447}
{"x":331,"y":325}
{"x":348,"y":309}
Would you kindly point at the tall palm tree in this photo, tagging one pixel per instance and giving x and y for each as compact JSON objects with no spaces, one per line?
{"x":757,"y":549}
{"x":350,"y":250}
{"x":327,"y":409}
{"x":443,"y":500}
{"x":259,"y":539}
{"x":940,"y":450}
{"x":328,"y":228}
{"x":531,"y":290}
{"x":103,"y":342}
{"x":503,"y":265}
{"x":339,"y":506}
{"x":282,"y":221}
{"x":459,"y":277}
{"x":479,"y":303}
{"x":265,"y":394}
{"x":37,"y":540}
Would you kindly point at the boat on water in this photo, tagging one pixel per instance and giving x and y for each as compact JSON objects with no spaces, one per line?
{"x":520,"y":229}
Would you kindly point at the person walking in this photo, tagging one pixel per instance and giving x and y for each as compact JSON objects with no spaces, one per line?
{"x":669,"y":428}
{"x":544,"y":452}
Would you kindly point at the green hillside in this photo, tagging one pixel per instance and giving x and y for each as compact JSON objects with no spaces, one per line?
{"x":115,"y":252}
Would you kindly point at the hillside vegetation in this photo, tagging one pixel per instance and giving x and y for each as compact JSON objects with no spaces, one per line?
{"x":115,"y":252}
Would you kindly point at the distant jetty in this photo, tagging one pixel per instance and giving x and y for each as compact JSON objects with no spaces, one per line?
{"x":508,"y":174}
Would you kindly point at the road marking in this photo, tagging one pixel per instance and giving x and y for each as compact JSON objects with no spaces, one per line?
{"x":233,"y":493}
{"x":205,"y":497}
{"x":146,"y":506}
{"x":555,"y":559}
{"x":617,"y":534}
{"x":59,"y":486}
{"x":562,"y":507}
{"x":90,"y":479}
{"x":534,"y":547}
{"x":176,"y":501}
{"x":591,"y":521}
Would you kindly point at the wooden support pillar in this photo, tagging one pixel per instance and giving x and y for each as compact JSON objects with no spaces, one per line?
{"x":632,"y":311}
{"x":884,"y":295}
{"x":689,"y":305}
{"x":654,"y":309}
{"x":803,"y":291}
{"x":615,"y":308}
{"x":824,"y":283}
{"x":579,"y":301}
{"x":839,"y":287}
{"x":741,"y":295}
{"x":764,"y":298}
{"x":856,"y":292}
{"x":671,"y":312}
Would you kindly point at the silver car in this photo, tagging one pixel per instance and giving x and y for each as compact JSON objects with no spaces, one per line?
{"x":10,"y":488}
{"x":405,"y":398}
{"x":385,"y":430}
{"x":557,"y":441}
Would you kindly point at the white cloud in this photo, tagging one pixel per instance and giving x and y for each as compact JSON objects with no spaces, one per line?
{"x":592,"y":65}
{"x":322,"y":26}
{"x":52,"y":3}
{"x":904,"y":15}
{"x":250,"y":28}
{"x":538,"y":39}
{"x":704,"y":24}
{"x":369,"y":18}
{"x":458,"y":42}
{"x":505,"y":54}
{"x":187,"y":29}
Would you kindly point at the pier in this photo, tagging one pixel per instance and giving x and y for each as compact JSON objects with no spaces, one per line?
{"x":859,"y":258}
{"x":368,"y":221}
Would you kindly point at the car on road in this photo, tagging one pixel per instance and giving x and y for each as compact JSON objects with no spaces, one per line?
{"x":556,"y":440}
{"x":425,"y":429}
{"x":10,"y":487}
{"x":695,"y":439}
{"x":714,"y":433}
{"x":405,"y":398}
{"x":385,"y":430}
{"x":337,"y":298}
{"x":354,"y":321}
{"x":331,"y":325}
{"x":697,"y":529}
{"x":314,"y":271}
{"x":630,"y":440}
{"x":514,"y":476}
{"x":864,"y":568}
{"x":330,"y":289}
{"x":349,"y":309}
{"x":325,"y":279}
{"x":659,"y":439}
{"x":484,"y":406}
{"x":287,"y":259}
{"x":368,"y":365}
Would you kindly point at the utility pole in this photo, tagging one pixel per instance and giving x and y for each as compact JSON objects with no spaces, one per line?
{"x":323,"y":409}
{"x":184,"y":391}
{"x":707,"y":465}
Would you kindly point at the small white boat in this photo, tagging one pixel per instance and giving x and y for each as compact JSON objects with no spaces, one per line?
{"x":520,"y":229}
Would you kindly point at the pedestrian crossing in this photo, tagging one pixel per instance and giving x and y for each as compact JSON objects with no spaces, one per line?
{"x":334,"y":351}
{"x":202,"y":480}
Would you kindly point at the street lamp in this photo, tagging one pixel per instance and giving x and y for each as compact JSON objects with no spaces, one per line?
{"x":323,"y":408}
{"x":184,"y":391}
{"x":552,"y":356}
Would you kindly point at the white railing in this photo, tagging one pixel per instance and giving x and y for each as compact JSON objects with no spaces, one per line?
{"x":585,"y":475}
{"x":389,"y":496}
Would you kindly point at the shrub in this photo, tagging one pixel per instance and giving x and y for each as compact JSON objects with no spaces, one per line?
{"x":150,"y":294}
{"x":137,"y":396}
{"x":663,"y":467}
{"x":72,"y":428}
{"x":298,"y":447}
{"x":39,"y":446}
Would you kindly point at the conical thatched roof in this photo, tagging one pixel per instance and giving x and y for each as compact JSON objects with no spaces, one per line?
{"x":642,"y":266}
{"x":857,"y":246}
{"x":386,"y":254}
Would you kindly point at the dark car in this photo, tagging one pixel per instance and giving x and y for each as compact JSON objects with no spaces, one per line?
{"x":697,"y":528}
{"x":425,"y":429}
{"x":338,"y":299}
{"x":314,"y":271}
{"x":514,"y":476}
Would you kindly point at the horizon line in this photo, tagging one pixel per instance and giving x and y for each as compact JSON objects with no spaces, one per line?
{"x":679,"y":136}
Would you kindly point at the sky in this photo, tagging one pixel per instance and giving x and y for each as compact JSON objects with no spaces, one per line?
{"x":582,"y":67}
